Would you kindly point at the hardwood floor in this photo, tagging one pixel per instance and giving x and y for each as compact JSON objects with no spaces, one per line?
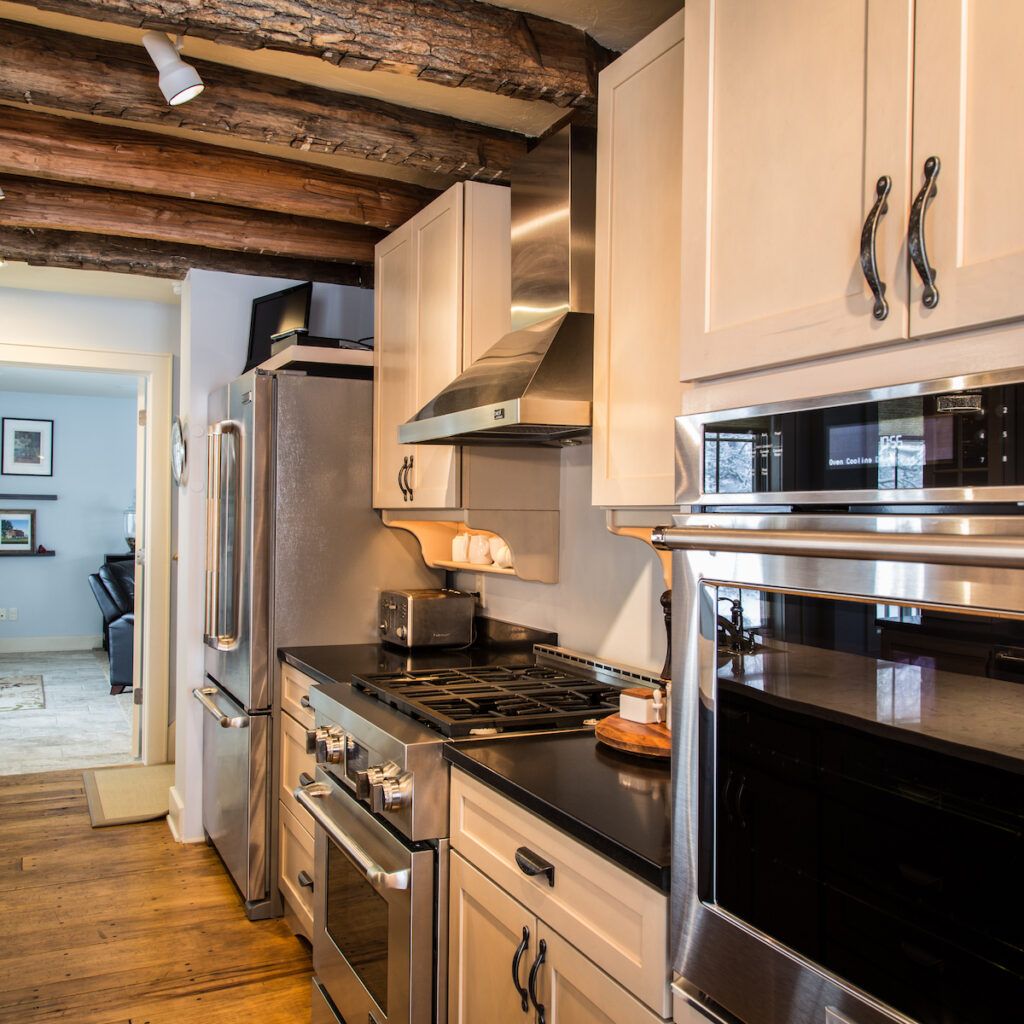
{"x":124,"y":926}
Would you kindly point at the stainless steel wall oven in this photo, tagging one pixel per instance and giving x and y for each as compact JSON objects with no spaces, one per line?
{"x":849,"y":709}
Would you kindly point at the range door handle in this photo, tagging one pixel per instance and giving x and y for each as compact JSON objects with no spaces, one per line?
{"x":205,"y":696}
{"x":376,"y":875}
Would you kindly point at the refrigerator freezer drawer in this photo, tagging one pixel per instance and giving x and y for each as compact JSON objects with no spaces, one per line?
{"x":236,"y":784}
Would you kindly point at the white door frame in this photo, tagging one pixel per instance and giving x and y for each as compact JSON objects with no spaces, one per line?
{"x":156,"y":371}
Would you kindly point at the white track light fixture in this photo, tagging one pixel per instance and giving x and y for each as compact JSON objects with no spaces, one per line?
{"x":179,"y":82}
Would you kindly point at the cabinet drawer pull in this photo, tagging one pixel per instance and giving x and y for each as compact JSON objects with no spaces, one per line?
{"x":520,"y":950}
{"x":404,"y":467}
{"x":305,"y":880}
{"x":868,"y":255}
{"x":304,"y":701}
{"x":542,"y":948}
{"x":408,"y":470}
{"x":532,"y":865}
{"x":915,"y":232}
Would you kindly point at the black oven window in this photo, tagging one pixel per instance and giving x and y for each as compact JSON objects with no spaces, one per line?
{"x":866,"y":794}
{"x":357,"y":922}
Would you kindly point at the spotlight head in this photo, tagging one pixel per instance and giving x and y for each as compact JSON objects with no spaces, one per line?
{"x":179,"y":82}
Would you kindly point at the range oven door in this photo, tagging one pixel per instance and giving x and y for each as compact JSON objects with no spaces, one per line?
{"x":374,"y":911}
{"x":848,"y":731}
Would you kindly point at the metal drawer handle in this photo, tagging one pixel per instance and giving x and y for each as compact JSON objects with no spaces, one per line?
{"x":404,"y":467}
{"x":204,"y":694}
{"x":375,"y":874}
{"x":915,"y":232}
{"x":408,"y":470}
{"x":868,"y":256}
{"x":542,"y":948}
{"x":305,"y":880}
{"x":305,"y":779}
{"x":532,"y":865}
{"x":304,"y":701}
{"x":520,"y":950}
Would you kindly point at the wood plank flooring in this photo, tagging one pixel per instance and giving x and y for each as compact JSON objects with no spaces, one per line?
{"x":124,"y":926}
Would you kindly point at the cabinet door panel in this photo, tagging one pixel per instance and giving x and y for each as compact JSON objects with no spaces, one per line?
{"x":485,"y":927}
{"x":636,"y":309}
{"x":792,"y":111}
{"x":394,"y":361}
{"x":969,"y":112}
{"x":435,"y":475}
{"x":575,"y":991}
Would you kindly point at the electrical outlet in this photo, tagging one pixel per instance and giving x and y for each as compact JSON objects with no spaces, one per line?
{"x":3,"y":614}
{"x":12,"y":614}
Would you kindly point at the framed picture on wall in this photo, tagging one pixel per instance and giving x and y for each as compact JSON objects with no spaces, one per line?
{"x":17,"y":531}
{"x":27,"y":447}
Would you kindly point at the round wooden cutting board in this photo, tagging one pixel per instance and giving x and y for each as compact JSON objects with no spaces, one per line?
{"x":635,"y":737}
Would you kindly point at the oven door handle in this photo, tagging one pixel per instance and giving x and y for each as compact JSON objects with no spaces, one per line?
{"x":934,"y":548}
{"x":377,"y":876}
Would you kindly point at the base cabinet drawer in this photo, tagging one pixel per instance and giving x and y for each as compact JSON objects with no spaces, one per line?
{"x":294,"y":759}
{"x":294,"y":690}
{"x":296,"y":867}
{"x":614,"y":919}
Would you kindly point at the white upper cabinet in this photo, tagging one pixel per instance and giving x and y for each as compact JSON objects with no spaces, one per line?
{"x":792,"y":112}
{"x":442,"y":298}
{"x":636,"y":312}
{"x":969,"y":113}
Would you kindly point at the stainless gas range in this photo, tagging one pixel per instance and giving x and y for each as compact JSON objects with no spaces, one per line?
{"x":380,"y":802}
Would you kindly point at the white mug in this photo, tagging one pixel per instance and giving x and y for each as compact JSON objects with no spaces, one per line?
{"x":479,"y":550}
{"x":503,"y":558}
{"x":496,"y":544}
{"x":460,"y":547}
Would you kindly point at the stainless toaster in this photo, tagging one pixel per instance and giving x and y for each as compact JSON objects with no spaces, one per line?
{"x":426,"y":618}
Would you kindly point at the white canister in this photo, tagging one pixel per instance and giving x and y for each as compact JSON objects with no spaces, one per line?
{"x":460,"y":547}
{"x":479,"y":550}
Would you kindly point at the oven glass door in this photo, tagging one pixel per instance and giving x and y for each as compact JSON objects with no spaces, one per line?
{"x":862,"y":792}
{"x":374,"y":911}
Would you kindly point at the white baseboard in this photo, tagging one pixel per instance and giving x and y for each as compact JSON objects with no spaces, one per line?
{"x":36,"y":644}
{"x":176,"y":818}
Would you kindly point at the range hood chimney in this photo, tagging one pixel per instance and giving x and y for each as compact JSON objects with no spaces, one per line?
{"x":535,"y":385}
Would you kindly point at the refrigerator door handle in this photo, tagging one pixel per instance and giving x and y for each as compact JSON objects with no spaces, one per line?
{"x":214,"y":582}
{"x":203,"y":695}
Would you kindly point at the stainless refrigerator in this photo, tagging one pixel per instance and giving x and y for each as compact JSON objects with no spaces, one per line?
{"x":295,"y":555}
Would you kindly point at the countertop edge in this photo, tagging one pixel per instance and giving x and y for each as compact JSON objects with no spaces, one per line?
{"x":644,"y":869}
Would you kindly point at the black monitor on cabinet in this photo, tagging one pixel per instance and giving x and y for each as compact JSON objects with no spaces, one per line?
{"x":272,"y":315}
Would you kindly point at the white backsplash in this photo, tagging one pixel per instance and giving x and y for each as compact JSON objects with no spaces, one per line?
{"x":606,"y":600}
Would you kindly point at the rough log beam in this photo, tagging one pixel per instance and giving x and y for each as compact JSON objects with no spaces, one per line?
{"x":460,"y":43}
{"x":81,"y":251}
{"x":86,"y":153}
{"x":75,"y":74}
{"x":35,"y":203}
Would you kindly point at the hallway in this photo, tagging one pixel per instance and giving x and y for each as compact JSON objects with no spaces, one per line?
{"x":124,"y":926}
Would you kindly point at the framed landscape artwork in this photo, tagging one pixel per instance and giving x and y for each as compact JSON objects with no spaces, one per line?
{"x":27,"y":447}
{"x":17,"y":531}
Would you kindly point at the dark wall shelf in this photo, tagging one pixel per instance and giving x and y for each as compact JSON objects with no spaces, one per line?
{"x":29,"y":497}
{"x":27,"y":554}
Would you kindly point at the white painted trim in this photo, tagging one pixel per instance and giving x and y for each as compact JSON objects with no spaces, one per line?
{"x":30,"y":644}
{"x":157,"y":371}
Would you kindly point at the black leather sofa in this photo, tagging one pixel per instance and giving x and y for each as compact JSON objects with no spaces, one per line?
{"x":113,"y":586}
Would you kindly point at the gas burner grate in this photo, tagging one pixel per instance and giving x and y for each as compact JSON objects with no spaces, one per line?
{"x":457,"y":701}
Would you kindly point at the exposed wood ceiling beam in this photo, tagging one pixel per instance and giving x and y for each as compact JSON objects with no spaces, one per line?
{"x":82,"y":251}
{"x":86,"y":153}
{"x":36,"y":203}
{"x":461,"y":43}
{"x":77,"y":74}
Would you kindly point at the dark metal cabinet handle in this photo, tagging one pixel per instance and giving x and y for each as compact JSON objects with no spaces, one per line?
{"x":305,"y":779}
{"x":304,"y":701}
{"x":868,"y":255}
{"x":915,"y":232}
{"x":305,"y":880}
{"x":520,"y":950}
{"x":542,"y":948}
{"x":530,"y":864}
{"x":405,"y":466}
{"x":408,"y":470}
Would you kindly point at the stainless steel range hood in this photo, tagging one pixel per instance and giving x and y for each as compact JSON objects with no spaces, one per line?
{"x":535,"y":385}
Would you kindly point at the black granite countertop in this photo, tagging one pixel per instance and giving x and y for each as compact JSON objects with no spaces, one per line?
{"x":613,"y":802}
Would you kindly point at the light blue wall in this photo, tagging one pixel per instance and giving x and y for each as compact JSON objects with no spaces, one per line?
{"x":94,"y":480}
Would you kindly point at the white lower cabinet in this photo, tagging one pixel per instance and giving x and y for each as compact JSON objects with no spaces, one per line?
{"x":495,"y":949}
{"x":604,"y":931}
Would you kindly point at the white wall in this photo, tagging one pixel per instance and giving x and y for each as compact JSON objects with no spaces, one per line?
{"x":94,"y":480}
{"x":607,"y":598}
{"x":216,"y":310}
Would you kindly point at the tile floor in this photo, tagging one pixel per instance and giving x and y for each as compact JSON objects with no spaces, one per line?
{"x":82,"y":725}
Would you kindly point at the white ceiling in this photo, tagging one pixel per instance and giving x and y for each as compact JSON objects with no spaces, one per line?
{"x":67,"y":382}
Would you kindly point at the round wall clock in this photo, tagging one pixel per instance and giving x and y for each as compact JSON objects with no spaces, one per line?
{"x":179,"y":452}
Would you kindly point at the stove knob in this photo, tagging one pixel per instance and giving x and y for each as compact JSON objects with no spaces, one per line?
{"x":330,"y":749}
{"x":400,"y":632}
{"x":373,"y":776}
{"x":391,"y":794}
